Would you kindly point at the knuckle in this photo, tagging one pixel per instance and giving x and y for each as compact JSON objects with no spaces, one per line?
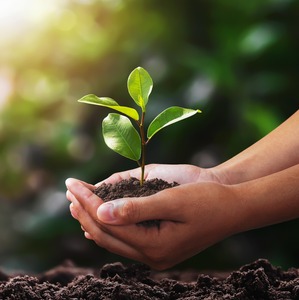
{"x":90,"y":197}
{"x":129,"y":211}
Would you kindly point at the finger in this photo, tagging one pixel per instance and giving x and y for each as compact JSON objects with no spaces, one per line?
{"x":134,"y":242}
{"x":165,"y":205}
{"x":116,"y":246}
{"x":117,"y":177}
{"x":88,"y":185}
{"x":81,"y":192}
{"x":87,"y":235}
{"x":129,"y":235}
{"x":151,"y":243}
{"x":73,"y":211}
{"x":102,"y":238}
{"x":69,"y":195}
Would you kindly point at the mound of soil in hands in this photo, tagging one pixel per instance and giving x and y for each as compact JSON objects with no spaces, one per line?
{"x":258,"y":280}
{"x":132,"y":188}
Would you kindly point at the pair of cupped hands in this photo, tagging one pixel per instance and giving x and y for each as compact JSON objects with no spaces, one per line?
{"x":253,"y":189}
{"x":196,"y":214}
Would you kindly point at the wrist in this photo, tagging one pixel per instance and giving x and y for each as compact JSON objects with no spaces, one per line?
{"x":237,"y":170}
{"x":221,"y":174}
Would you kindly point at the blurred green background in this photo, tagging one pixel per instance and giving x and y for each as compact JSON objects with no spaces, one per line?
{"x":235,"y":60}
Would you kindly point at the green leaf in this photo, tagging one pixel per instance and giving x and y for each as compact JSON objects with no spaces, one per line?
{"x":121,"y":136}
{"x":169,"y":116}
{"x":110,"y":103}
{"x":140,"y":85}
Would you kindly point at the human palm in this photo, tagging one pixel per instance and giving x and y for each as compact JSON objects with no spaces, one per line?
{"x":181,"y":174}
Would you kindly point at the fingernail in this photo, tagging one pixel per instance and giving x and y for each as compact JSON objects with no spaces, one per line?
{"x":69,"y":181}
{"x":73,"y":185}
{"x":105,"y":212}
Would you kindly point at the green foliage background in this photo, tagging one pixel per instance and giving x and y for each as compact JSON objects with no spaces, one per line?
{"x":235,"y":60}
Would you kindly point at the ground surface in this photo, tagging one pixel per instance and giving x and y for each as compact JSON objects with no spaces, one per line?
{"x":258,"y":280}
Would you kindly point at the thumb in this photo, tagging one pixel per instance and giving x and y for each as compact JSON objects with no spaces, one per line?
{"x":133,"y":210}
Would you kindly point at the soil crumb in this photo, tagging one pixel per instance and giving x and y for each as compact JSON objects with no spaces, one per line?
{"x":258,"y":280}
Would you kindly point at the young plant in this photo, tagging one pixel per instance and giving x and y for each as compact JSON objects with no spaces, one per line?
{"x":119,"y":133}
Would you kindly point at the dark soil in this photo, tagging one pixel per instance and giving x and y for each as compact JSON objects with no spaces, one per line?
{"x":132,"y":188}
{"x":258,"y":280}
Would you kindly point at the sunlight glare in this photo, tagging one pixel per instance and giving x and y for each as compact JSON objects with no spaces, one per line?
{"x":18,"y":16}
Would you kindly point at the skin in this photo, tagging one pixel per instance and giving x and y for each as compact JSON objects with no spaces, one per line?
{"x":256,"y":188}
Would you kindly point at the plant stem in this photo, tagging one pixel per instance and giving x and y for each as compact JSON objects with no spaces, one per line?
{"x":143,"y":144}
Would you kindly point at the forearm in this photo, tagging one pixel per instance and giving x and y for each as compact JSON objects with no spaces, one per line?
{"x":276,"y":151}
{"x":269,"y":200}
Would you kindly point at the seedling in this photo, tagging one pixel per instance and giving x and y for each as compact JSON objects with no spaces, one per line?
{"x":118,"y":131}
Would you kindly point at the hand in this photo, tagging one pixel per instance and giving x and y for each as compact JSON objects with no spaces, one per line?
{"x":182,"y":174}
{"x":194,"y":216}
